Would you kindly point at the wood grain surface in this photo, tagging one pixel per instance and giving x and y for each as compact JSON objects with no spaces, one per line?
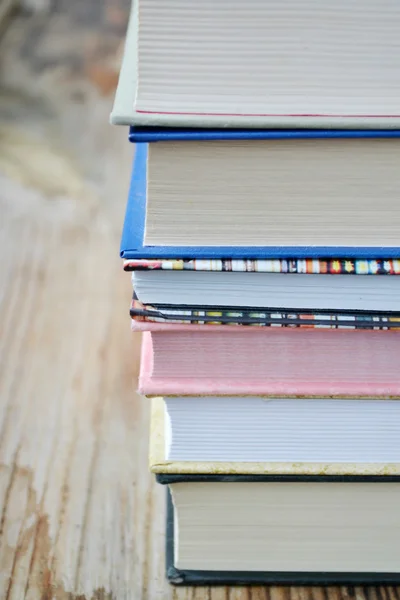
{"x":81,"y":517}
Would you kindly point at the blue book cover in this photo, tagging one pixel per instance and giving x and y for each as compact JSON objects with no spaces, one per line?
{"x":133,"y":236}
{"x":173,"y":134}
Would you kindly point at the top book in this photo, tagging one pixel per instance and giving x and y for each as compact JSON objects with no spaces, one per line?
{"x":261,"y":63}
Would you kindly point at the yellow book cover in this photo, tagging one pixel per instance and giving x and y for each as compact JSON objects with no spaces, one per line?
{"x":159,"y":464}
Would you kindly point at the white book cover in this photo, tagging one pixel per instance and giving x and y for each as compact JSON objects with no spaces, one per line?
{"x":298,"y":63}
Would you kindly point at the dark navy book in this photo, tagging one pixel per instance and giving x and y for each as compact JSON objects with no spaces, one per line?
{"x":179,"y":576}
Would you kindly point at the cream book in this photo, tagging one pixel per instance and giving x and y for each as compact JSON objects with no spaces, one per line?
{"x":298,"y":63}
{"x":197,"y":435}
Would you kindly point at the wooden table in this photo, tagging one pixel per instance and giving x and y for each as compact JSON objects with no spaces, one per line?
{"x":81,"y":517}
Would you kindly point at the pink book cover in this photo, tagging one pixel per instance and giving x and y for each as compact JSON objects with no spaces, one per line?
{"x":194,"y":360}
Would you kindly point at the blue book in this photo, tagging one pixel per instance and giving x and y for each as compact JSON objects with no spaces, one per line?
{"x":163,"y":134}
{"x":377,"y":217}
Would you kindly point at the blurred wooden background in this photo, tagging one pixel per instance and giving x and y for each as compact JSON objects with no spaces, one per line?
{"x":81,"y":518}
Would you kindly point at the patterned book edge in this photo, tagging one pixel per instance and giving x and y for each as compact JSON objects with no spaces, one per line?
{"x":299,"y":266}
{"x":263,"y":317}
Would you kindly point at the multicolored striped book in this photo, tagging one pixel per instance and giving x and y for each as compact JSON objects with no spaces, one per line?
{"x":262,"y":317}
{"x":314,"y":293}
{"x":310,"y":266}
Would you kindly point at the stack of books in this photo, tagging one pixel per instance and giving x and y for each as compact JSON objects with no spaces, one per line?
{"x":263,"y":236}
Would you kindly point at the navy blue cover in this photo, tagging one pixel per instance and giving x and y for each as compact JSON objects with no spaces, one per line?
{"x":135,"y":216}
{"x":162,"y":134}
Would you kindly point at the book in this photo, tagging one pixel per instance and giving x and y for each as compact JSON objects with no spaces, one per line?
{"x":187,"y":134}
{"x":273,"y":511}
{"x":281,"y":530}
{"x":262,"y":317}
{"x":191,"y":360}
{"x":264,"y":434}
{"x":251,"y":521}
{"x":310,"y":266}
{"x":264,"y":199}
{"x":297,"y":64}
{"x":272,"y":290}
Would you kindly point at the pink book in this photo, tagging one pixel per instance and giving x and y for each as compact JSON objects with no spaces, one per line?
{"x":195,"y":360}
